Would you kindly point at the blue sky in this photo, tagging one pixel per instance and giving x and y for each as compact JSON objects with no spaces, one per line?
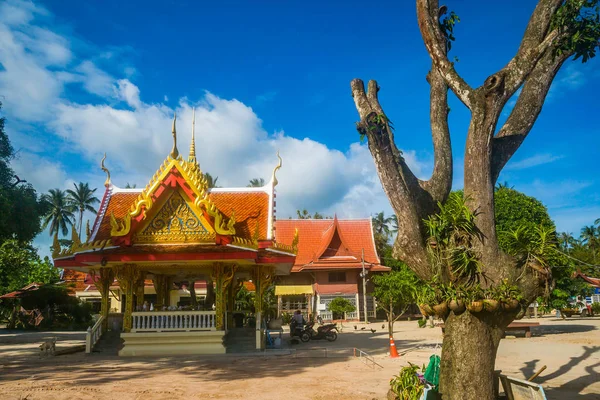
{"x":80,"y":78}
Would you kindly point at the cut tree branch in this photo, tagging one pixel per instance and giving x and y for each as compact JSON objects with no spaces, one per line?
{"x":526,"y":111}
{"x":428,"y":19}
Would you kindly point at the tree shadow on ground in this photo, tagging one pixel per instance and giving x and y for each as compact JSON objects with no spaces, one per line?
{"x":545,"y":330}
{"x":574,"y":386}
{"x":94,"y":369}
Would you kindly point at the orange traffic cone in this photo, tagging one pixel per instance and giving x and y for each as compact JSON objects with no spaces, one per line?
{"x":393,"y":351}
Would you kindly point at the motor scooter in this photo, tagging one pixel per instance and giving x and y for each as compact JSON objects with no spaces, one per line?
{"x":327,"y":331}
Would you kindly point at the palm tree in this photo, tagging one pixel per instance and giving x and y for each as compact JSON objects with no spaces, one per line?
{"x":393,"y":224}
{"x":82,"y":199}
{"x":566,"y":240}
{"x":130,"y":186}
{"x":381,"y":224}
{"x":597,"y":222}
{"x":589,"y":234}
{"x":304,"y":214}
{"x":210,"y":181}
{"x":60,"y":212}
{"x":256,"y":182}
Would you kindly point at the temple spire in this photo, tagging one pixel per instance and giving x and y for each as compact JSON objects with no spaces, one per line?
{"x":107,"y":181}
{"x":192,"y":157}
{"x":174,"y":153}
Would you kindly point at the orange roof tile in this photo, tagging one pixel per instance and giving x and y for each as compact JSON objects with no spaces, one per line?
{"x":249,"y":208}
{"x":118,"y":203}
{"x":320,"y":246}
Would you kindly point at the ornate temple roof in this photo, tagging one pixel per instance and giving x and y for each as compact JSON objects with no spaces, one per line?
{"x":177,"y":213}
{"x":329,"y":244}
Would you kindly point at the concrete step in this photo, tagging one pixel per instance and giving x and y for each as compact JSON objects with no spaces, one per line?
{"x":109,"y":343}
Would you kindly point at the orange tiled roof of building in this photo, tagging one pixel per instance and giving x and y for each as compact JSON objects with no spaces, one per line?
{"x":321,"y":247}
{"x":250,"y":207}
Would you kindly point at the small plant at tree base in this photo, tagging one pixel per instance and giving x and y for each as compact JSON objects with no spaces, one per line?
{"x":596,"y":308}
{"x":407,"y":385}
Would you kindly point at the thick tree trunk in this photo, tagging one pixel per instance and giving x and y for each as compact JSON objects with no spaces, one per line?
{"x":469,"y":354}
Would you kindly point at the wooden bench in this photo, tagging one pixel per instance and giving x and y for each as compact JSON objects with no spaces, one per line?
{"x":515,"y":326}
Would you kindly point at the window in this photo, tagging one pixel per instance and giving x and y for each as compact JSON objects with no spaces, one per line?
{"x":337,"y":276}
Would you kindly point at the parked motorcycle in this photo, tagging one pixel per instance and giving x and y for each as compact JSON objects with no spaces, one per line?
{"x":327,"y":331}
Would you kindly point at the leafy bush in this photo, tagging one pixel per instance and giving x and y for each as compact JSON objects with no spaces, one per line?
{"x":286,"y":318}
{"x":407,"y":385}
{"x":340,"y":305}
{"x":58,"y":309}
{"x":596,"y":308}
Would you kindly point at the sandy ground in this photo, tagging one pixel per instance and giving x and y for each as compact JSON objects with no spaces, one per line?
{"x":570,"y":349}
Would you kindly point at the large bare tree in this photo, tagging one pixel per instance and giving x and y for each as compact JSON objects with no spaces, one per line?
{"x":557,"y":31}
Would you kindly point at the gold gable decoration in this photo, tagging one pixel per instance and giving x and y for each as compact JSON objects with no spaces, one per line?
{"x":175,"y":222}
{"x":191,"y":173}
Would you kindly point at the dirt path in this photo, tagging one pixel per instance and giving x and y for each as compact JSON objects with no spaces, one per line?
{"x":570,"y":349}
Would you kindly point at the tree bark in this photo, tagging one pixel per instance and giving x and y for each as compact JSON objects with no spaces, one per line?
{"x":469,"y":355}
{"x":193,"y":300}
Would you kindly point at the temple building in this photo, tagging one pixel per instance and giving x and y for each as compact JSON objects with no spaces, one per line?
{"x":178,"y":229}
{"x":171,"y":258}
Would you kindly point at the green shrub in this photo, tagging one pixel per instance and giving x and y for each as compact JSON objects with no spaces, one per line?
{"x":407,"y":385}
{"x":340,"y":305}
{"x":596,"y":308}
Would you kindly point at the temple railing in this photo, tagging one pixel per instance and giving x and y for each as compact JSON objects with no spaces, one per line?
{"x":93,"y":334}
{"x":170,"y":321}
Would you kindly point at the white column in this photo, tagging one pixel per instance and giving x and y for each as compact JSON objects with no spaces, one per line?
{"x":258,"y":338}
{"x":318,"y":302}
{"x":357,"y":307}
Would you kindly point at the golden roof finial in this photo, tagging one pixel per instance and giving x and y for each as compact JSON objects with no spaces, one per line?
{"x":274,"y":178}
{"x":107,"y":181}
{"x":174,"y":153}
{"x":192,"y":157}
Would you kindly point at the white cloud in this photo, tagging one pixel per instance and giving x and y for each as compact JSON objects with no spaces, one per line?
{"x":231,"y":141}
{"x":533,"y":161}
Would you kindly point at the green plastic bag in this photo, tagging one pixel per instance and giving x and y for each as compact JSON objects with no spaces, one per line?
{"x":432,"y":372}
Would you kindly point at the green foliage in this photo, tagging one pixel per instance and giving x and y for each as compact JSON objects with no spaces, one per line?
{"x":256,"y":182}
{"x":60,"y":310}
{"x":340,"y":305}
{"x":21,"y":209}
{"x":395,"y":291}
{"x":407,"y":385}
{"x":286,"y":318}
{"x":447,"y":27}
{"x":530,"y":245}
{"x":515,"y":210}
{"x":21,"y":265}
{"x":82,"y":199}
{"x":304,"y":214}
{"x":244,"y":300}
{"x":451,"y":233}
{"x":596,"y":308}
{"x":578,"y":26}
{"x":60,"y":212}
{"x":211,"y":181}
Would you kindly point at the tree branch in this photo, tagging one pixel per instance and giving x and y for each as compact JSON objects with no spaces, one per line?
{"x":428,"y":19}
{"x":401,"y":186}
{"x":536,"y":40}
{"x":526,"y":111}
{"x":440,"y":184}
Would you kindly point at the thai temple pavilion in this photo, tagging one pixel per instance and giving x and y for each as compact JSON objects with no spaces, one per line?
{"x":178,"y":229}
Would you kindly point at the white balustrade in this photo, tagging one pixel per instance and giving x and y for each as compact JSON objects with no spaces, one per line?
{"x":170,"y":321}
{"x":93,"y":335}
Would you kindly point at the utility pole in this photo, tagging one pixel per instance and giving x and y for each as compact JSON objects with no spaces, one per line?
{"x":364,"y":278}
